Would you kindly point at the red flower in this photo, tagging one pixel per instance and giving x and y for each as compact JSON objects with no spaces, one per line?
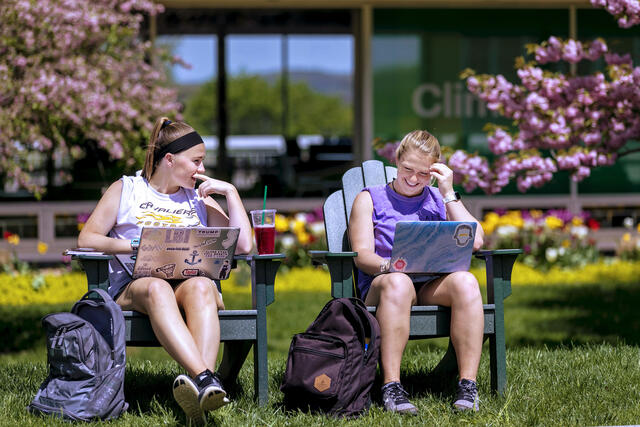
{"x":593,"y":224}
{"x":7,"y":234}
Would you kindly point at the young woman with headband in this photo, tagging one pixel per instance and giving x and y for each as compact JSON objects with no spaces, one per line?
{"x":165,"y":195}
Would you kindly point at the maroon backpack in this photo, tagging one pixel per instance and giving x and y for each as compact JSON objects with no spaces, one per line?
{"x":332,"y":366}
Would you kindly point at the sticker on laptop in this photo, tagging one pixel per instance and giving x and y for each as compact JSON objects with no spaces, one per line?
{"x":206,"y":243}
{"x":212,"y":233}
{"x":213,"y":253}
{"x":462,"y":235}
{"x":167,"y":269}
{"x":190,"y":272}
{"x":399,"y":264}
{"x":194,"y":258}
{"x":232,"y":236}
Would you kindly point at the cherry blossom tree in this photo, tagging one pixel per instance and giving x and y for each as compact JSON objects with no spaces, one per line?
{"x":74,"y":72}
{"x":560,"y":122}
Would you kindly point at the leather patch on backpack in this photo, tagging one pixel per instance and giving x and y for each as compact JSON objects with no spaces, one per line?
{"x":322,"y":383}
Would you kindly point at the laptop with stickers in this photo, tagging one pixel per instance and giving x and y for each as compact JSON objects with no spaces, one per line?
{"x":421,"y":247}
{"x":182,"y":252}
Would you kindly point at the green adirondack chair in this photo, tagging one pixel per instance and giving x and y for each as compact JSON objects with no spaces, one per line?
{"x":426,"y":321}
{"x":239,"y":329}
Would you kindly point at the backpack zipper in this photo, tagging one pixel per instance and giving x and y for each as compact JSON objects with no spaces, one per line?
{"x":318,"y":352}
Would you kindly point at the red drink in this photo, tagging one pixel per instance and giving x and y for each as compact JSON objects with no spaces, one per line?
{"x":265,"y":238}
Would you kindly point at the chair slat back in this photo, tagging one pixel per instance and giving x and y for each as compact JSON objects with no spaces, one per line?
{"x":337,"y":207}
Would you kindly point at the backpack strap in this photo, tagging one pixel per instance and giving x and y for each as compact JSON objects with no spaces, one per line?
{"x":104,"y":295}
{"x":367,"y":319}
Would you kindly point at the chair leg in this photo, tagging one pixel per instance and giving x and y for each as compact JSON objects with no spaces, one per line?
{"x":260,"y":372}
{"x":444,"y":375}
{"x":498,"y":363}
{"x":233,"y":357}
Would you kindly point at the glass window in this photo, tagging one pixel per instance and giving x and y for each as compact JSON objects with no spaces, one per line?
{"x":195,"y":81}
{"x":26,"y":227}
{"x":66,"y":225}
{"x":418,"y":56}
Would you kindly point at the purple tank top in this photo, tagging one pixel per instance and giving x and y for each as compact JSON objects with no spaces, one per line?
{"x":390,"y":207}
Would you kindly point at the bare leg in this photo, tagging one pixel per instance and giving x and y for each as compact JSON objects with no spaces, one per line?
{"x":200,"y":300}
{"x":156,"y":298}
{"x":461,"y":292}
{"x":394,"y":295}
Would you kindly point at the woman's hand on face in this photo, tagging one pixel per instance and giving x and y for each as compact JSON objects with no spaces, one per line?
{"x":444,"y":175}
{"x":212,"y":186}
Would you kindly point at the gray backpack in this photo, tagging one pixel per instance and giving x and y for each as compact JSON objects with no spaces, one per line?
{"x":86,"y":358}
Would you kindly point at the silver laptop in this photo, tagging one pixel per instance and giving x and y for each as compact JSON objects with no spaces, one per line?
{"x":182,"y":252}
{"x":432,"y":246}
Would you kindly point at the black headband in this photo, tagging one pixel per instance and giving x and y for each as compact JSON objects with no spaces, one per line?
{"x":183,"y":143}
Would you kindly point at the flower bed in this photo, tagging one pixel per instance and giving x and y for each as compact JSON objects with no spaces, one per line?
{"x":555,"y":238}
{"x":66,"y":287}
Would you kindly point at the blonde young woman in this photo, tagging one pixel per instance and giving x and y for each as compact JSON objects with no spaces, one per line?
{"x":165,"y":195}
{"x":371,"y":227}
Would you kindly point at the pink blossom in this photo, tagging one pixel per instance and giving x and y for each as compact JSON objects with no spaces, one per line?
{"x":67,"y":78}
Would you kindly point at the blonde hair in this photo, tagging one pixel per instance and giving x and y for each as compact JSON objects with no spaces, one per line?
{"x":161,"y":136}
{"x":422,"y":141}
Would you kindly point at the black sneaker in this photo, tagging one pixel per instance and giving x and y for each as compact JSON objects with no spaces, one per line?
{"x":467,"y":396}
{"x":395,"y":399}
{"x":186,"y":394}
{"x":212,"y":395}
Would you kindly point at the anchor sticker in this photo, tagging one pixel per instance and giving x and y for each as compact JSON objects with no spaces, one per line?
{"x":193,"y":261}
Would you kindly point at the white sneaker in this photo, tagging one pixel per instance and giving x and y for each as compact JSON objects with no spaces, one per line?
{"x":186,"y":394}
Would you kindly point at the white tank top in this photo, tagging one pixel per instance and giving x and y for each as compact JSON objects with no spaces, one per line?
{"x":142,"y":206}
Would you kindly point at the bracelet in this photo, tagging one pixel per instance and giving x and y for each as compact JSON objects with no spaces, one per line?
{"x":135,"y":243}
{"x":384,"y":266}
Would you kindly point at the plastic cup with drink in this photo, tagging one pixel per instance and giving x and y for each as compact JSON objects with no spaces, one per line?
{"x":264,"y":226}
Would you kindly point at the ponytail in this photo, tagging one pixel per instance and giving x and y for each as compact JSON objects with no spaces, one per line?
{"x":164,"y":132}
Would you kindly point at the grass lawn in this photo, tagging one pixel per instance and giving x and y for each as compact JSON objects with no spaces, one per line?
{"x":572,"y":359}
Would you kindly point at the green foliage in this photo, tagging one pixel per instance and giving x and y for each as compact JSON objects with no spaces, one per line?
{"x":255,"y":107}
{"x":572,"y":357}
{"x":21,"y":328}
{"x":29,"y":289}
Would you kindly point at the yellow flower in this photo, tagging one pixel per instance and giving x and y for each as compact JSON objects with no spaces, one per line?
{"x":491,"y":217}
{"x":625,"y":237}
{"x":282,"y":224}
{"x":535,"y":213}
{"x":303,"y":237}
{"x":638,"y":227}
{"x":298,"y":226}
{"x":42,"y":248}
{"x":14,"y":239}
{"x":80,"y":226}
{"x":576,"y":220}
{"x":566,"y":243}
{"x":553,"y":222}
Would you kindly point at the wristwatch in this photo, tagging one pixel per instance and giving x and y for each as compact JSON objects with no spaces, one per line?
{"x":452,"y":197}
{"x":135,"y":243}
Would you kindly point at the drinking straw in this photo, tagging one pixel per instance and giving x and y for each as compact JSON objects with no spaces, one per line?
{"x":264,"y":203}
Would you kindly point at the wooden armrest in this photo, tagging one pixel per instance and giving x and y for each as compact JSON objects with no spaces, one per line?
{"x":492,"y":252}
{"x":263,"y":276}
{"x":340,"y":269}
{"x":326,"y":257}
{"x":499,"y":265}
